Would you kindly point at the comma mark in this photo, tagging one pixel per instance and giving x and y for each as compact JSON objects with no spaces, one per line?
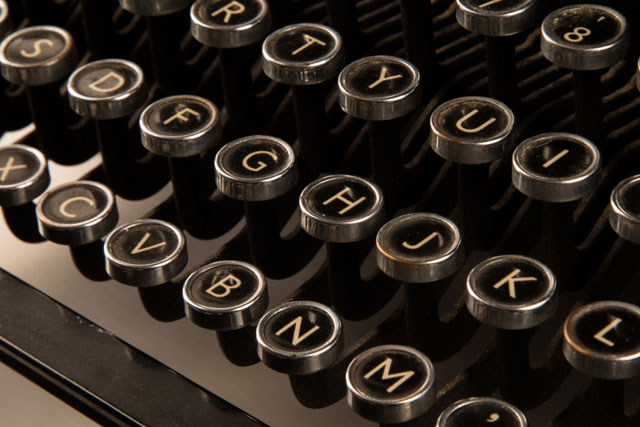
{"x":493,"y":418}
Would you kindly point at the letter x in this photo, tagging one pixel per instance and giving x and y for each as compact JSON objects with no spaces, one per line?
{"x":8,"y":168}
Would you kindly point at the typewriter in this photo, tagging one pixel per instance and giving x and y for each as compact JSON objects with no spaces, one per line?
{"x":323,"y":212}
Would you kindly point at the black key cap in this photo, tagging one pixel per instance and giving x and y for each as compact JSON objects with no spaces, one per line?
{"x":473,"y":132}
{"x":586,"y":39}
{"x":558,"y":169}
{"x":145,"y":253}
{"x":380,"y":89}
{"x":390,"y":384}
{"x":480,"y":411}
{"x":497,"y":20}
{"x":299,"y":337}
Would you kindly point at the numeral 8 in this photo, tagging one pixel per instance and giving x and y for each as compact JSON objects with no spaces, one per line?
{"x":577,"y":35}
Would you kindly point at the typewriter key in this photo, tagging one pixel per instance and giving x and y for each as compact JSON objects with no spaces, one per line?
{"x":380,"y":89}
{"x":225,"y":295}
{"x":233,"y":27}
{"x":602,"y":339}
{"x":299,"y":337}
{"x":473,"y":132}
{"x":341,"y":208}
{"x":419,"y":248}
{"x":40,"y":58}
{"x":511,"y":292}
{"x":497,"y":20}
{"x":185,"y":128}
{"x":180,"y":126}
{"x":259,"y":170}
{"x":228,"y":296}
{"x":304,"y":56}
{"x":557,"y":168}
{"x":37,"y":55}
{"x":514,"y":294}
{"x":145,"y":252}
{"x":77,"y":213}
{"x":586,"y":38}
{"x":390,"y":384}
{"x":107,"y":89}
{"x":24,"y":175}
{"x":422,"y":250}
{"x":256,"y":168}
{"x":624,"y":215}
{"x":225,"y":24}
{"x":477,"y":411}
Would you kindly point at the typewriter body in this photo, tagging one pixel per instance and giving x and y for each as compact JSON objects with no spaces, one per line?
{"x":323,"y":212}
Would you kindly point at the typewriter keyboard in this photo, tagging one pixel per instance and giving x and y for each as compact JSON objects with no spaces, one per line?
{"x":323,"y":212}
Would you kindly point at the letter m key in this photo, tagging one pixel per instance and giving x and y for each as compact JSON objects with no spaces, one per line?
{"x":387,"y":375}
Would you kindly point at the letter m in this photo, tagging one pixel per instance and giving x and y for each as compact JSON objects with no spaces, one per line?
{"x":387,"y":375}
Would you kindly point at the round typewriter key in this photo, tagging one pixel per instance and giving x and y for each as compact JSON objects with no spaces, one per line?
{"x":422,"y":250}
{"x":180,"y":126}
{"x":379,"y":88}
{"x":299,"y":337}
{"x":303,"y":54}
{"x":585,"y":37}
{"x":497,"y":21}
{"x":37,"y":55}
{"x":146,"y":252}
{"x":77,"y":213}
{"x":225,"y":24}
{"x":602,"y":339}
{"x":624,"y":215}
{"x":24,"y":175}
{"x":498,"y":17}
{"x":154,"y":7}
{"x":514,"y":294}
{"x":511,"y":292}
{"x":390,"y":384}
{"x":225,"y":295}
{"x":419,"y":248}
{"x":256,"y":168}
{"x":341,"y":208}
{"x":107,"y":89}
{"x":472,"y":130}
{"x":481,"y":411}
{"x":556,"y":167}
